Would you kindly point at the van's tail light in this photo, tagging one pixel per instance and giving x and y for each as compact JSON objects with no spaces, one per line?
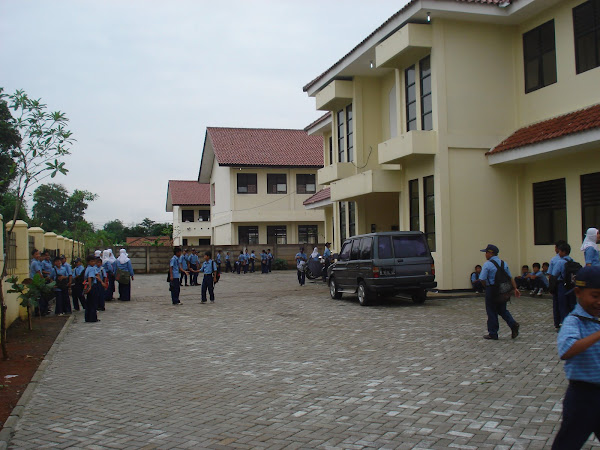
{"x":375,"y":272}
{"x":432,"y":269}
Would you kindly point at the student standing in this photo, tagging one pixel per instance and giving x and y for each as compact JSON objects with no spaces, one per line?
{"x":252,"y":261}
{"x":103,"y":287}
{"x":300,"y":263}
{"x":124,"y":275}
{"x":240,"y":262}
{"x":246,"y":261}
{"x":91,"y":277}
{"x":175,"y":284}
{"x":566,"y":299}
{"x":228,"y":267}
{"x":108,"y":263}
{"x":77,"y":285}
{"x":218,"y":260}
{"x":60,"y":276}
{"x":578,"y":345}
{"x":590,"y":247}
{"x":194,"y":266}
{"x":264,"y":267}
{"x":269,"y":258}
{"x":46,"y":264}
{"x":327,"y":259}
{"x":183,"y":268}
{"x":492,"y":307}
{"x":35,"y":267}
{"x":209,"y":272}
{"x":553,"y":285}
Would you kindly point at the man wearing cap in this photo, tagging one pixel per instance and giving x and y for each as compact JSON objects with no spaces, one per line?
{"x":327,"y":259}
{"x":493,"y":308}
{"x":579,"y":346}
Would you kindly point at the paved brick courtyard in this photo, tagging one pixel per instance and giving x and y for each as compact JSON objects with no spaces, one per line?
{"x":274,"y":365}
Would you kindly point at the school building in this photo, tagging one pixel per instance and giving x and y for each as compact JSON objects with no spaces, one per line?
{"x":258,"y":180}
{"x":189,"y":201}
{"x":475,"y":122}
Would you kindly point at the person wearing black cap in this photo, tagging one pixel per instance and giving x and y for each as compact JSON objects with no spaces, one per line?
{"x":492,"y":307}
{"x":327,"y":259}
{"x":579,"y":346}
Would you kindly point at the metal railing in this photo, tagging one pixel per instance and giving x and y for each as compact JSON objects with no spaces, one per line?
{"x":11,"y":254}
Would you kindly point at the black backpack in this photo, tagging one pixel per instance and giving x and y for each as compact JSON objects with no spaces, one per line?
{"x":502,"y":284}
{"x":571,"y":269}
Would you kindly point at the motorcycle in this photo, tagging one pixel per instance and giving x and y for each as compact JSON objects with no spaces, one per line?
{"x":314,"y":268}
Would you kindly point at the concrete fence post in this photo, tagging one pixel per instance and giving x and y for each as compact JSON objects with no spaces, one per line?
{"x":38,"y":238}
{"x":50,"y":241}
{"x":60,"y":245}
{"x":21,"y":235}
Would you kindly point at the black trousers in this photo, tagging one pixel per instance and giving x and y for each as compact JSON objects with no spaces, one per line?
{"x":193,"y":275}
{"x":125,"y":291}
{"x":207,"y":284}
{"x":91,"y":314}
{"x":78,"y":297}
{"x":175,"y":288}
{"x":63,"y":305}
{"x":581,"y":416}
{"x":228,"y":266}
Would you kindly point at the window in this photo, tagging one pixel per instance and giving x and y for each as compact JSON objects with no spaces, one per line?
{"x":246,"y":183}
{"x":345,"y":253}
{"x":308,"y":234}
{"x":349,"y":134}
{"x":549,"y":211}
{"x":393,"y":112}
{"x":590,"y":200}
{"x":330,"y":150}
{"x":409,"y":246}
{"x":187,"y":215}
{"x":355,"y":252}
{"x":248,"y":235}
{"x":204,"y":215}
{"x":586,"y":23}
{"x":276,"y":234}
{"x":184,"y":242}
{"x":342,"y":221}
{"x":411,"y":98}
{"x":539,"y":57}
{"x":204,"y":241}
{"x":429,"y":209}
{"x":384,"y":247}
{"x":413,"y":193}
{"x":276,"y":183}
{"x":305,"y":184}
{"x":352,"y":218}
{"x":340,"y":135}
{"x":426,"y":101}
{"x":365,"y":248}
{"x":212,"y":194}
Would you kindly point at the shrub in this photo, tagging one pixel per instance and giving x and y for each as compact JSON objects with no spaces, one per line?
{"x":279,"y":264}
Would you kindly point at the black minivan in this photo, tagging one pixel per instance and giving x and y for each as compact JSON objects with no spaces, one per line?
{"x":384,"y":264}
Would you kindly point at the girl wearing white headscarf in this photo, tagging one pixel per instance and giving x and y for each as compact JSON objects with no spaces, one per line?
{"x":315,"y":253}
{"x":108,"y":262}
{"x":124,"y":275}
{"x":98,"y":254}
{"x":590,"y":247}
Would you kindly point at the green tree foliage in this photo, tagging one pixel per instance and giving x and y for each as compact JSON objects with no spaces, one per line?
{"x":10,"y":139}
{"x":56,"y":210}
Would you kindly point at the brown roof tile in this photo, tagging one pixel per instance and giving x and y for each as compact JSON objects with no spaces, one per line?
{"x":575,"y":122}
{"x":266,"y":147}
{"x":189,"y":192}
{"x":323,"y":194}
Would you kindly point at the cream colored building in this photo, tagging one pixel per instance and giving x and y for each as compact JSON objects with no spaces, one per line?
{"x":475,"y":122}
{"x":259,"y":179}
{"x":189,"y":201}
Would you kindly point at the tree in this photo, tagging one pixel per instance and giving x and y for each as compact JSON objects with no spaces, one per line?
{"x":56,"y":210}
{"x":116,"y":229}
{"x":9,"y":139}
{"x":45,"y":141}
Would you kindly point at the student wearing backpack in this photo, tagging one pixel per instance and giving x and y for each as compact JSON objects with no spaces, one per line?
{"x":590,"y":247}
{"x":562,"y":271}
{"x":552,"y":284}
{"x":578,"y":345}
{"x":209,"y":270}
{"x":124,"y":275}
{"x":490,"y":279}
{"x":77,"y":286}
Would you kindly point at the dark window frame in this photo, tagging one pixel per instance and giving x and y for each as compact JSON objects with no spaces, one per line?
{"x":549,"y":207}
{"x":352,"y":218}
{"x":276,"y":234}
{"x":429,"y":211}
{"x":244,"y":182}
{"x":349,"y":133}
{"x":414,"y":208}
{"x":274,"y":180}
{"x":342,"y":221}
{"x":366,"y":245}
{"x":590,"y":200}
{"x":542,"y":50}
{"x":250,"y":234}
{"x":340,"y":134}
{"x":424,"y":75}
{"x":331,"y":150}
{"x":189,"y":213}
{"x":589,"y":10}
{"x":303,"y":180}
{"x":205,"y":214}
{"x":308,"y":232}
{"x":411,"y":120}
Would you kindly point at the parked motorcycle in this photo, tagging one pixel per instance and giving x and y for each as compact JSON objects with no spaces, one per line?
{"x":314,"y":268}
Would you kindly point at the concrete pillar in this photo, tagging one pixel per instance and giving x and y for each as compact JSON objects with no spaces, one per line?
{"x":60,"y":245}
{"x":69,"y":249}
{"x":50,"y":242}
{"x":22,"y":252}
{"x":38,"y":237}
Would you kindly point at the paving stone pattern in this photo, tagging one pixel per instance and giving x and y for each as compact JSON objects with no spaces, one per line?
{"x":274,"y":365}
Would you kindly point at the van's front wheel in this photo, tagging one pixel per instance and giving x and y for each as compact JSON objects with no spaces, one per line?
{"x":419,"y":297}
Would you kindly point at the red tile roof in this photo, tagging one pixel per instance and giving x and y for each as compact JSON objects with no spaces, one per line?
{"x":189,"y":192}
{"x":147,"y":241}
{"x":323,"y":194}
{"x":575,"y":122}
{"x":266,"y":147}
{"x":405,"y":7}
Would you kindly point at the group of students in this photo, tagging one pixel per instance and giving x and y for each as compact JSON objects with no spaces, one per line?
{"x":90,"y":286}
{"x":181,"y":266}
{"x":536,"y":281}
{"x":246,"y":262}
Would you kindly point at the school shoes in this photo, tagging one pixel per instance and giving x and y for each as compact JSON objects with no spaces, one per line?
{"x":515,"y":330}
{"x":490,"y":337}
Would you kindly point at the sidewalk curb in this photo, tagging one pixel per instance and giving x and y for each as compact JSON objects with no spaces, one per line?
{"x":8,"y":430}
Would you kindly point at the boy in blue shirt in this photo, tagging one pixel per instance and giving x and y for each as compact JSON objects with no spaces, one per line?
{"x":46,"y":264}
{"x":475,"y":283}
{"x":218,"y":259}
{"x":300,"y":263}
{"x":565,"y":299}
{"x":228,"y":267}
{"x":60,"y":276}
{"x":264,"y":262}
{"x":174,"y":267}
{"x":183,"y":268}
{"x":552,"y":285}
{"x":94,"y":290}
{"x":523,"y":281}
{"x":77,"y":285}
{"x":194,"y":265}
{"x":252,"y":261}
{"x":538,"y":280}
{"x":209,"y":271}
{"x":269,"y":258}
{"x":579,"y":346}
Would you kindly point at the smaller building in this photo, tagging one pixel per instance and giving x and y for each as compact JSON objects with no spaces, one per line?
{"x":189,"y":201}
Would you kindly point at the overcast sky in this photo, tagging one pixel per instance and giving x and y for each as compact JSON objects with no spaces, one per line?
{"x":141,"y":80}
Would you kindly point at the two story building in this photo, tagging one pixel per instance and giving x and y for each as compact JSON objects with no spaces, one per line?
{"x":259,"y":179}
{"x":475,"y":122}
{"x":189,"y":201}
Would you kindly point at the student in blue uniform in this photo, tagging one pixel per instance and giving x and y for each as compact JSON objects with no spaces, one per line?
{"x":108,"y":264}
{"x":91,"y":277}
{"x":124,"y":272}
{"x":194,"y":261}
{"x":270,"y":258}
{"x":301,"y":260}
{"x":100,"y":301}
{"x":578,"y":345}
{"x":175,"y":284}
{"x":46,"y":264}
{"x":492,"y":308}
{"x":183,"y":269}
{"x":228,"y":267}
{"x":35,"y":267}
{"x":327,"y":260}
{"x":209,"y":272}
{"x":264,"y":262}
{"x":475,"y":283}
{"x":590,"y":247}
{"x":552,"y":285}
{"x":565,"y":299}
{"x":77,"y":285}
{"x":218,"y":261}
{"x":523,"y":281}
{"x":252,"y":261}
{"x":60,"y":276}
{"x":240,"y":262}
{"x":246,"y":261}
{"x":538,"y":280}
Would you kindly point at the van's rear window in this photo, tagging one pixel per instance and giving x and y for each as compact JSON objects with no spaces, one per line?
{"x":384,"y":248}
{"x":409,"y":246}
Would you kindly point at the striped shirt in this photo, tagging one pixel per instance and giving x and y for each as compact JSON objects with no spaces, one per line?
{"x":586,"y":365}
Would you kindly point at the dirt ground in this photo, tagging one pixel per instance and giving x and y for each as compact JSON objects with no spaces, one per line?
{"x":26,"y":350}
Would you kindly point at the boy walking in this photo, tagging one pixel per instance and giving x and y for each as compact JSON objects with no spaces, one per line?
{"x":175,"y":285}
{"x":578,"y":345}
{"x":209,"y":271}
{"x":94,"y":290}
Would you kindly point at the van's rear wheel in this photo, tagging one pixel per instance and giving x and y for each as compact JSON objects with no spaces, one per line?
{"x":419,"y":297}
{"x":333,"y":290}
{"x":364,"y":296}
